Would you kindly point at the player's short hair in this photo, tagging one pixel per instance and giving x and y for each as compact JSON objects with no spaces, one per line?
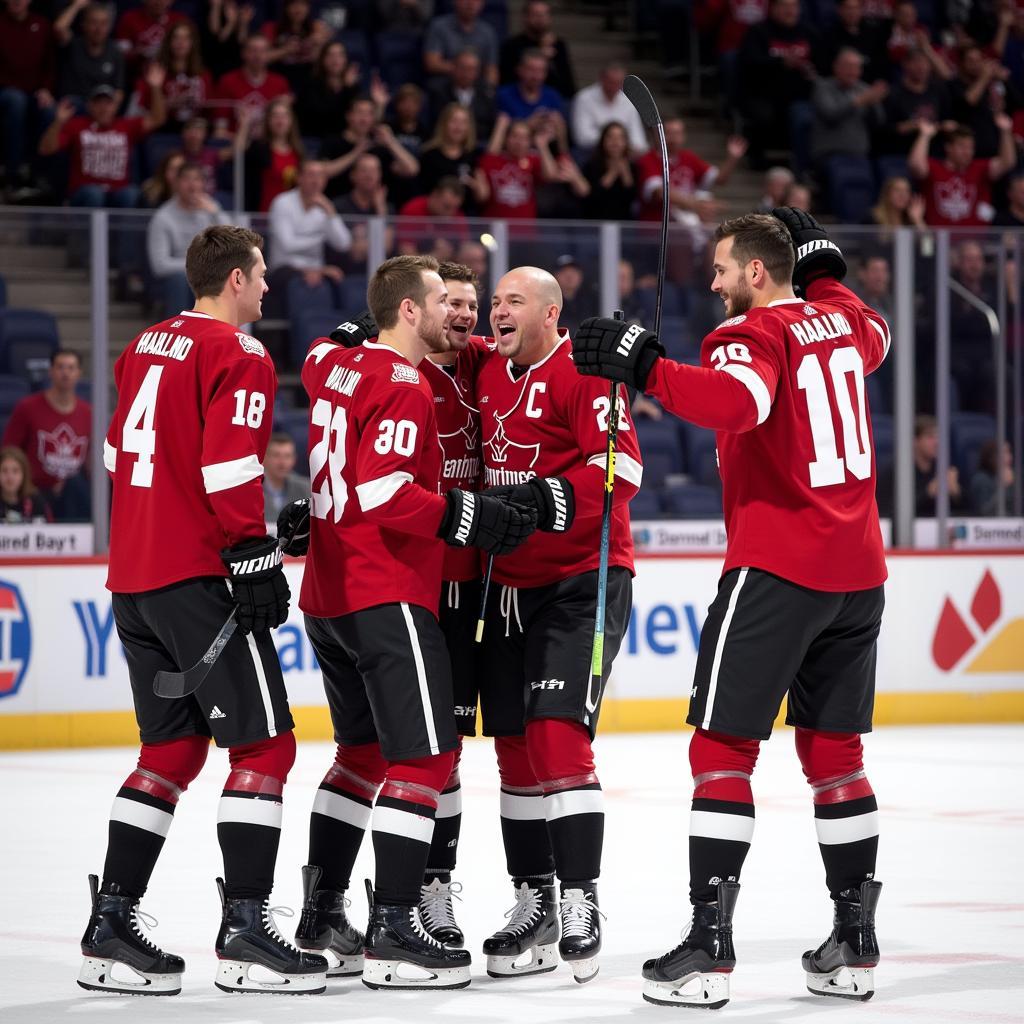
{"x":214,"y":253}
{"x":77,"y":356}
{"x":394,"y":281}
{"x":459,"y":272}
{"x":961,"y":131}
{"x":760,"y":236}
{"x":449,"y":183}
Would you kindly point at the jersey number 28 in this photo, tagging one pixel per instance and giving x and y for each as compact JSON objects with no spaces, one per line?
{"x":828,"y":467}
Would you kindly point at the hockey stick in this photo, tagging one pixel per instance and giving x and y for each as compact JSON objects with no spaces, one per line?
{"x":597,"y":653}
{"x":640,"y":96}
{"x":181,"y":684}
{"x":483,"y":599}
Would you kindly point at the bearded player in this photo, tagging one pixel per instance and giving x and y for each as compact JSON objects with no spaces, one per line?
{"x":800,"y":601}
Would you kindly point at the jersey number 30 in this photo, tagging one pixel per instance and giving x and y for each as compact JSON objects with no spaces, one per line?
{"x":828,"y":468}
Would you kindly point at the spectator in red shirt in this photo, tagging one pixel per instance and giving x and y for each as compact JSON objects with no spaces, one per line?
{"x":442,"y":209}
{"x":101,"y":144}
{"x":272,"y":161}
{"x":296,"y":38}
{"x":20,"y":499}
{"x":957,"y":188}
{"x":195,"y":150}
{"x":252,"y":86}
{"x":508,"y":173}
{"x":188,"y":86}
{"x":141,"y":30}
{"x":53,"y":428}
{"x":27,"y":55}
{"x":690,"y":178}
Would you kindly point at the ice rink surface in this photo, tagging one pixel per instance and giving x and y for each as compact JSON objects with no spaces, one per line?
{"x":950,"y":920}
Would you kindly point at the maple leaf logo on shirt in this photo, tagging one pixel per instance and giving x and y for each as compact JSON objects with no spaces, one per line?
{"x":955,"y":198}
{"x":62,"y":452}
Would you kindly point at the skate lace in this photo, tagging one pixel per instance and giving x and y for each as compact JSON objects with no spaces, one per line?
{"x":417,"y":926}
{"x":271,"y":925}
{"x":148,"y":921}
{"x":577,"y":906}
{"x":436,"y":906}
{"x":526,"y":911}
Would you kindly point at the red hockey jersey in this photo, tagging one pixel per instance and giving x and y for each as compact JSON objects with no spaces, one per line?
{"x":458,"y":430}
{"x":784,"y":387}
{"x":195,"y":401}
{"x":374,"y":464}
{"x":550,"y":421}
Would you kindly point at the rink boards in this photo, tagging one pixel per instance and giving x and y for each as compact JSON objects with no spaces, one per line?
{"x":951,"y":650}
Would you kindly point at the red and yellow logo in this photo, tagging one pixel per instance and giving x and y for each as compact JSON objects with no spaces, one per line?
{"x":992,"y":650}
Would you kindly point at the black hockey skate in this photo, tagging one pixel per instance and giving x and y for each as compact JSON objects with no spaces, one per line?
{"x":249,"y":938}
{"x":400,"y":953}
{"x":844,"y":964}
{"x":324,"y":927}
{"x":438,"y":912}
{"x":696,"y":972}
{"x":581,"y":931}
{"x":531,"y":933}
{"x":112,"y":937}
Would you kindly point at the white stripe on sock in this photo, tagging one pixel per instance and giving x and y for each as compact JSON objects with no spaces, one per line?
{"x":449,"y":804}
{"x":246,"y":811}
{"x":521,"y":808}
{"x":573,"y":801}
{"x":836,"y":831}
{"x":403,"y":823}
{"x":140,"y":815}
{"x":341,"y":808}
{"x":711,"y":825}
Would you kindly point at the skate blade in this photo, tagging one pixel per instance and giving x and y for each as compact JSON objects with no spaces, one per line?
{"x":537,"y":959}
{"x":348,"y":965}
{"x":710,"y":991}
{"x":398,"y":974}
{"x":96,"y":975}
{"x":844,"y":983}
{"x":237,"y":976}
{"x":584,"y":970}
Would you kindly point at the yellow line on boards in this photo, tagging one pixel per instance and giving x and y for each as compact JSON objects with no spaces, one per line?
{"x":118,"y":728}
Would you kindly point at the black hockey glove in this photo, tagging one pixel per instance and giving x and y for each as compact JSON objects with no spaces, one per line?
{"x":293,"y":527}
{"x":355,"y":331}
{"x":492,"y":524}
{"x":616,"y":350}
{"x":551,"y":496}
{"x":816,"y":254}
{"x":258,"y":584}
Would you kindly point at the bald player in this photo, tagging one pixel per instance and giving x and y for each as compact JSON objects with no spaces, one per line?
{"x":543,"y":431}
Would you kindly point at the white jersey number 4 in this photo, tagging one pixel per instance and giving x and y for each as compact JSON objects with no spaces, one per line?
{"x":137,"y":433}
{"x":828,"y":467}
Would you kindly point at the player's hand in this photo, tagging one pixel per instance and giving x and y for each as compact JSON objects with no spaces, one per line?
{"x":816,"y":254}
{"x":551,"y":496}
{"x":355,"y":331}
{"x":293,"y":527}
{"x":258,"y":584}
{"x":616,"y":350}
{"x":492,"y":524}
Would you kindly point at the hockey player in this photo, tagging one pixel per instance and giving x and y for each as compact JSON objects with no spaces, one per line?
{"x":800,"y":602}
{"x":544,"y":443}
{"x":370,"y":594}
{"x":184,"y":448}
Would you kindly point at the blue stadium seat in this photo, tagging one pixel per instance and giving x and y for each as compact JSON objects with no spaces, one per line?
{"x":399,"y":58}
{"x":352,"y":294}
{"x":645,"y":504}
{"x":154,"y":148}
{"x":660,"y":447}
{"x":882,"y":431}
{"x":851,"y":187}
{"x":890,"y":167}
{"x":28,"y":338}
{"x":3,"y":293}
{"x":301,"y":297}
{"x":878,"y":400}
{"x":360,"y":51}
{"x":12,"y":390}
{"x":295,"y":423}
{"x":969,"y":430}
{"x":306,"y":325}
{"x":698,"y":442}
{"x":692,"y":501}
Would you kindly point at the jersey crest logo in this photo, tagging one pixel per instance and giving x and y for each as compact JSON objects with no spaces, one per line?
{"x":402,"y":373}
{"x":732,"y":321}
{"x":178,"y":323}
{"x":810,"y":311}
{"x":506,"y":461}
{"x":251,"y":345}
{"x":15,"y":639}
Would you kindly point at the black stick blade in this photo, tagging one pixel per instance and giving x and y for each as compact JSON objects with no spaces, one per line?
{"x":170,"y":685}
{"x":640,"y":96}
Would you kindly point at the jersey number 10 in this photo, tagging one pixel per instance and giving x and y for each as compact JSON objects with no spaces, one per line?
{"x":828,"y":467}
